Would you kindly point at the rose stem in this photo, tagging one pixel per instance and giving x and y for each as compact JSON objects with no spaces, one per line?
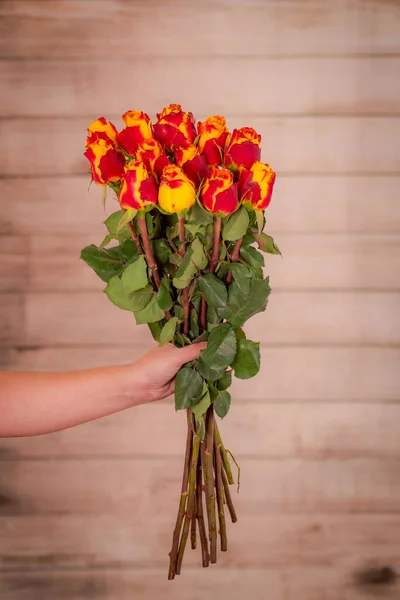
{"x":234,"y":258}
{"x":199,"y":513}
{"x":181,"y":224}
{"x":190,"y":502}
{"x":213,"y":266}
{"x":135,"y":238}
{"x":220,"y":497}
{"x":193,"y":541}
{"x":224,"y":455}
{"x":208,"y":455}
{"x":182,"y":503}
{"x":228,"y":497}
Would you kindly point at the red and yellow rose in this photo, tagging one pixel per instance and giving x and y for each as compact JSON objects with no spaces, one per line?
{"x":137,"y":130}
{"x":193,"y":164}
{"x":242,"y":148}
{"x":138,"y":187}
{"x":106,"y":162}
{"x":152,"y":154}
{"x":176,"y":193}
{"x":174,"y":127}
{"x":219,"y":193}
{"x":256,"y":186}
{"x":212,"y":137}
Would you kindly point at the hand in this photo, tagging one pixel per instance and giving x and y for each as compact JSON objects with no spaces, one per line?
{"x":155,"y":371}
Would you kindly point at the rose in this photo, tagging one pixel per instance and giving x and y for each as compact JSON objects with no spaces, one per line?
{"x":152,"y":154}
{"x":212,"y":137}
{"x":101,"y":129}
{"x":175,"y":127}
{"x":256,"y":185}
{"x":242,"y":148}
{"x":138,"y":129}
{"x":193,"y":164}
{"x":219,"y":194}
{"x":107,"y":163}
{"x":138,"y":187}
{"x":176,"y":192}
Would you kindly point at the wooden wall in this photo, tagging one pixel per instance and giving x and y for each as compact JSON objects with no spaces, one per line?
{"x":88,"y":513}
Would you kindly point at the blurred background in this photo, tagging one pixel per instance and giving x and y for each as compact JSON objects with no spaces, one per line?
{"x":88,"y":513}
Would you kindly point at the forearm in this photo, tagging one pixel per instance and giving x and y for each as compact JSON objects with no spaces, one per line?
{"x":36,"y":403}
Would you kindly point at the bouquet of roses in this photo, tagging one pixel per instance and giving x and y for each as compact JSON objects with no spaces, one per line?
{"x":180,"y":255}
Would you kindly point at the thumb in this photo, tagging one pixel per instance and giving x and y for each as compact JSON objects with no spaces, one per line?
{"x":188,"y":353}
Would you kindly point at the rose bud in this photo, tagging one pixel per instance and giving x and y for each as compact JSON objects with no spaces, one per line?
{"x":138,"y":187}
{"x":176,"y":192}
{"x":101,"y":129}
{"x":256,"y":185}
{"x":242,"y":148}
{"x":138,"y":129}
{"x":193,"y":163}
{"x":152,"y":154}
{"x":107,"y":163}
{"x":175,"y":127}
{"x":212,"y":137}
{"x":219,"y":194}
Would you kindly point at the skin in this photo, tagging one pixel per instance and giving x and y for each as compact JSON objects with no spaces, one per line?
{"x":37,"y":403}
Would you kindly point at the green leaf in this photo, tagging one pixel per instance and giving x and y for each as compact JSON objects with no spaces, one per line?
{"x":222,"y":402}
{"x":129,"y":250}
{"x":134,"y":276}
{"x":240,"y":334}
{"x":225,"y":381}
{"x":220,"y":352}
{"x":247,"y":359}
{"x":195,"y":228}
{"x":252,"y":256}
{"x":112,"y":224}
{"x":188,"y":386}
{"x":236,"y":225}
{"x":194,"y":260}
{"x":244,"y":306}
{"x":150,"y":313}
{"x":194,"y":324}
{"x":164,"y":298}
{"x":197,"y":214}
{"x":266,"y":243}
{"x":115,"y":293}
{"x":178,"y":312}
{"x":109,"y":238}
{"x":106,"y":263}
{"x":214,"y":290}
{"x":242,"y":276}
{"x":126,"y":218}
{"x":260,"y":220}
{"x":200,"y":408}
{"x":155,"y":330}
{"x":199,"y":258}
{"x":168,"y":331}
{"x":162,"y":251}
{"x":141,"y":298}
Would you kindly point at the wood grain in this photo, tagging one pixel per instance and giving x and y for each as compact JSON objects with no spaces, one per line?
{"x":319,"y":431}
{"x":299,"y":317}
{"x":304,"y":145}
{"x":288,"y":373}
{"x":300,"y":86}
{"x":301,"y":583}
{"x":43,"y":29}
{"x":137,"y":540}
{"x":301,"y":204}
{"x":268,"y":486}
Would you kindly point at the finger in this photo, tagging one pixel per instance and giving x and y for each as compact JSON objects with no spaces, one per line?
{"x":188,"y":353}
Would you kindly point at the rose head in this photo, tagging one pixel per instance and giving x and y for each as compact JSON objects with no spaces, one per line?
{"x":256,"y":185}
{"x":192,"y":162}
{"x":177,"y":192}
{"x":175,"y":127}
{"x":138,"y":187}
{"x":138,"y":129}
{"x":212,"y":137}
{"x":219,"y":194}
{"x":152,"y":154}
{"x":107,"y":163}
{"x":242,"y":148}
{"x":101,"y":129}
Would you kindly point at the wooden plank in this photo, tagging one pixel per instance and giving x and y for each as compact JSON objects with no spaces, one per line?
{"x":323,"y":318}
{"x":69,"y":28}
{"x":310,"y":262}
{"x":268,"y":486}
{"x":287,"y":374}
{"x":138,"y":540}
{"x":11,"y":318}
{"x":324,"y":145}
{"x":300,"y":86}
{"x":302,"y":583}
{"x":301,"y":204}
{"x":340,"y":430}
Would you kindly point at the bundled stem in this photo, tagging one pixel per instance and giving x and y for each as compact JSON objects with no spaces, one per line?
{"x":224,"y":456}
{"x":210,"y":484}
{"x":213,"y":266}
{"x":135,"y":238}
{"x":220,"y":496}
{"x":199,"y":513}
{"x":181,"y":225}
{"x":234,"y":258}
